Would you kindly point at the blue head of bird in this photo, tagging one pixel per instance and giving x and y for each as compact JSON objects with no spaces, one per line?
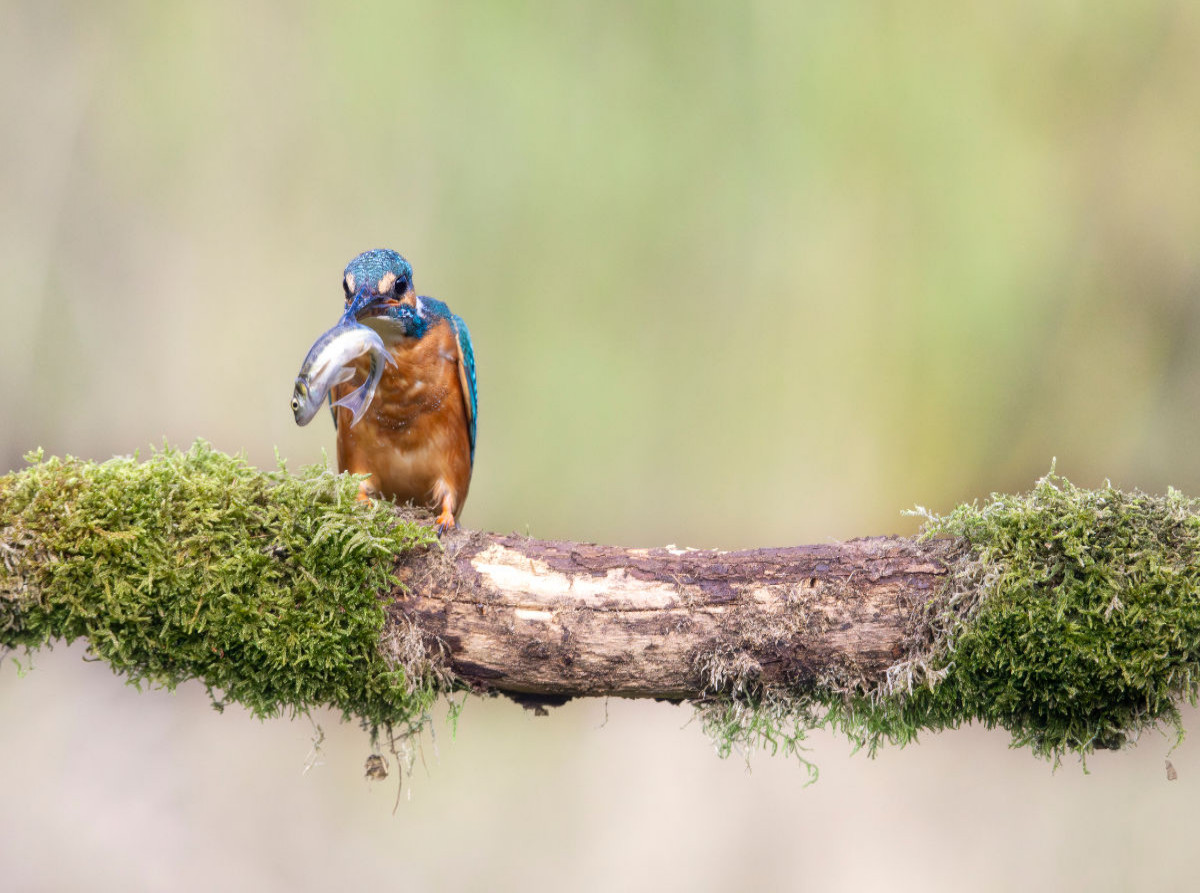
{"x":376,"y":284}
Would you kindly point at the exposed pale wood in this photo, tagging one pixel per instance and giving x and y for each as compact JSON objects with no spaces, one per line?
{"x":559,"y":620}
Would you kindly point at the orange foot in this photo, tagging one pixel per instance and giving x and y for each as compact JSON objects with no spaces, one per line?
{"x":445,"y":522}
{"x":444,"y":496}
{"x":365,"y":493}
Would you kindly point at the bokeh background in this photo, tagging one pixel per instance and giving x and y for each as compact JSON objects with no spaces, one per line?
{"x":737,"y":274}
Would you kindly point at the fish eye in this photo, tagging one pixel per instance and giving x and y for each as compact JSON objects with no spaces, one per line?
{"x":295,"y":404}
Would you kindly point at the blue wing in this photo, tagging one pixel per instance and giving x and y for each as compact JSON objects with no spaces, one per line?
{"x":466,"y":374}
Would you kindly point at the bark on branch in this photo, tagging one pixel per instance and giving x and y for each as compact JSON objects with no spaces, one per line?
{"x":563,"y":619}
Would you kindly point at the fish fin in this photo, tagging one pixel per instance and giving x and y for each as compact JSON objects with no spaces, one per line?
{"x":344,"y":375}
{"x":356,"y":401}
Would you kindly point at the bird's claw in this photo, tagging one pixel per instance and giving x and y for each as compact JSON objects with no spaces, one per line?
{"x":445,"y":523}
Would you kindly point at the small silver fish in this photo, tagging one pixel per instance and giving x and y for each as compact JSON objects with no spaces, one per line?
{"x":328,"y":364}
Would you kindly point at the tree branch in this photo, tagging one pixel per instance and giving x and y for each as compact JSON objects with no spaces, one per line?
{"x":574,"y":619}
{"x":1069,"y":616}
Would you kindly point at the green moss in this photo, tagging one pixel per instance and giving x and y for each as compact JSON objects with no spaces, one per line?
{"x":1072,"y":620}
{"x":1072,"y":617}
{"x":268,"y":587}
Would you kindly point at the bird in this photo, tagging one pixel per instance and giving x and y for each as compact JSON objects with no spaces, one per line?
{"x":416,"y":439}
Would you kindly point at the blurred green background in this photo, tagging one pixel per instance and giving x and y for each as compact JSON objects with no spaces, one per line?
{"x":737,"y":274}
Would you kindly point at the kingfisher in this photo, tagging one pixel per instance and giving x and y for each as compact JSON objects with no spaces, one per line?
{"x":416,"y":439}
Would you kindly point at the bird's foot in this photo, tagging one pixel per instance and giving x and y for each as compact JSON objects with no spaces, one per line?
{"x":445,"y":499}
{"x":365,"y":493}
{"x":445,"y":522}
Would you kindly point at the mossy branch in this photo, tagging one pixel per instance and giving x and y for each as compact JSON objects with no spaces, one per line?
{"x":265,"y":586}
{"x":1068,"y":616}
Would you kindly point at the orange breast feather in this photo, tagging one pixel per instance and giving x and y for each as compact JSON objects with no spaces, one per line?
{"x":414,"y":439}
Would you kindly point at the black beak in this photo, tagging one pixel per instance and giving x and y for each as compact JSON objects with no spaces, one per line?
{"x":375,"y":306}
{"x":361,"y":300}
